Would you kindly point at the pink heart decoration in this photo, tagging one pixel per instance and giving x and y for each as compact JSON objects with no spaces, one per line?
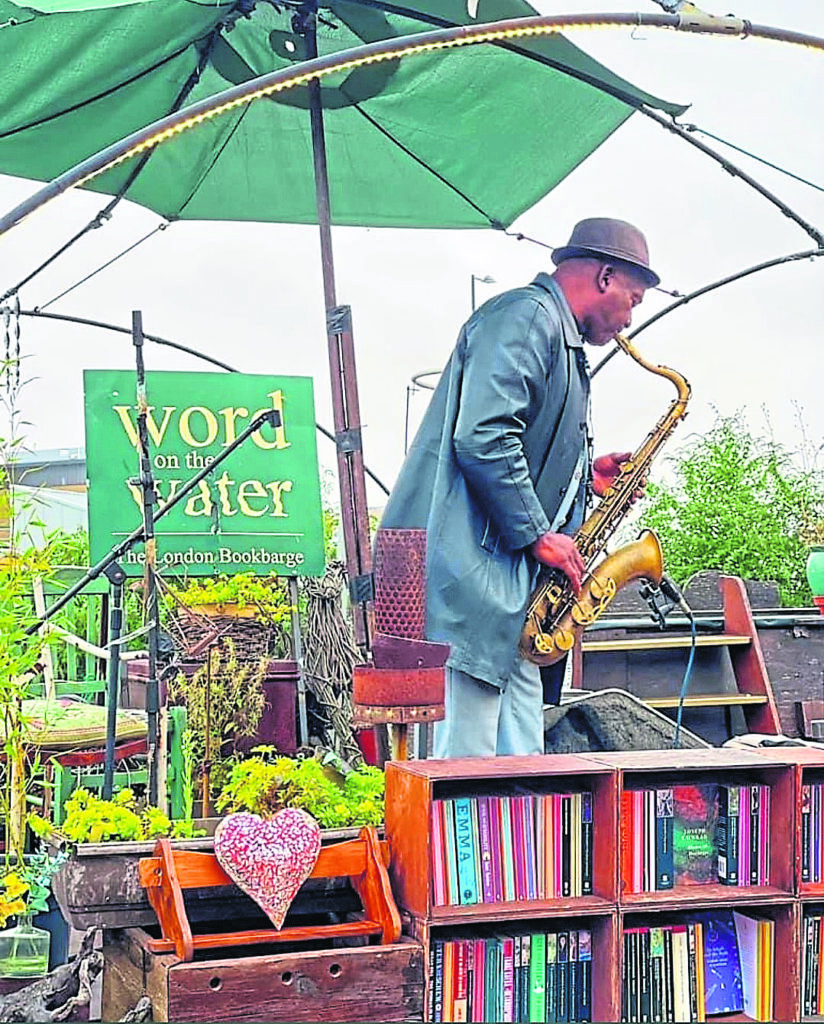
{"x":269,"y":859}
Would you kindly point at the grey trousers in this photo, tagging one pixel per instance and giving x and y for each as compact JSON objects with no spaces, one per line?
{"x":482,"y":721}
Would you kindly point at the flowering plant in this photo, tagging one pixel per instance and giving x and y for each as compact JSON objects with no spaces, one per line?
{"x":25,"y":888}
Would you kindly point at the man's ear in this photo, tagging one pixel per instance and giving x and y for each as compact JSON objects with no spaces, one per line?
{"x":606,"y":272}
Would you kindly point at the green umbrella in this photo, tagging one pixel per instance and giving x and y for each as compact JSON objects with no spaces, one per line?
{"x":461,"y":138}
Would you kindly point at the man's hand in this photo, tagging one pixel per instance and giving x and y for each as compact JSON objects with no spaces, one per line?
{"x":605,"y":469}
{"x":559,"y":552}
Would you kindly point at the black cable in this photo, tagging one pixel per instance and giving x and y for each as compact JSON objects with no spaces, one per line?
{"x":753,"y":156}
{"x":65,"y":317}
{"x":160,"y":227}
{"x":705,"y":289}
{"x":676,"y":741}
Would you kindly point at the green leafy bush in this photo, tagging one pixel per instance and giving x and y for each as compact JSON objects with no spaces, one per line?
{"x":264,"y":784}
{"x":739,"y":504}
{"x":89,"y":819}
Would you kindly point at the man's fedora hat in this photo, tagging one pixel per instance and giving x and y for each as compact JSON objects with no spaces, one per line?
{"x":605,"y":238}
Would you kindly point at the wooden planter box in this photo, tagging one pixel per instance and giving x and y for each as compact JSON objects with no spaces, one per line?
{"x":366,"y":983}
{"x":99,"y":886}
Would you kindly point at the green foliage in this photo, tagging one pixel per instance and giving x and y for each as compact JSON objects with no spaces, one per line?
{"x":25,"y":888}
{"x":266,"y":594}
{"x":264,"y":784}
{"x":739,"y":504}
{"x":89,"y":819}
{"x":235,"y":704}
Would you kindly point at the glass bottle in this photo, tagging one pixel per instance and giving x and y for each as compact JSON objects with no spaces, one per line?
{"x":24,"y":950}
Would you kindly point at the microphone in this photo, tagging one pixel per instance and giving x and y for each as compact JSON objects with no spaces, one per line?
{"x":662,"y":599}
{"x":672,"y":593}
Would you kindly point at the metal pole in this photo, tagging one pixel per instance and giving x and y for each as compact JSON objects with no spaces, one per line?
{"x":150,"y":547}
{"x":297,"y":647}
{"x":343,"y":375}
{"x":116,"y":577}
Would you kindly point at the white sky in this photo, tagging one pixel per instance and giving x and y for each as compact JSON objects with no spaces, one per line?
{"x":251,"y":294}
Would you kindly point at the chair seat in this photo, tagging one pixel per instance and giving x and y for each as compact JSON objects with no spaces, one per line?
{"x":66,"y":723}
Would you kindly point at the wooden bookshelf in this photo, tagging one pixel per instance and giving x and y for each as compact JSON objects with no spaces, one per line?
{"x":411,"y":788}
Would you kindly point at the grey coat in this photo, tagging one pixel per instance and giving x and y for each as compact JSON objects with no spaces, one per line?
{"x":489,"y":467}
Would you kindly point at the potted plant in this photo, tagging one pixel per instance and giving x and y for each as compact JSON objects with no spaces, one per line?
{"x":24,"y":892}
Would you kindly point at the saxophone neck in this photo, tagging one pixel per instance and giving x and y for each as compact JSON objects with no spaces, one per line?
{"x":681,"y":383}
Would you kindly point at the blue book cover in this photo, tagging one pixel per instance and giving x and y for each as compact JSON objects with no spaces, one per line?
{"x":465,"y":840}
{"x":722,"y":967}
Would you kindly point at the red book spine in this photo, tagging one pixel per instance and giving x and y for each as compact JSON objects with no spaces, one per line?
{"x":626,"y":829}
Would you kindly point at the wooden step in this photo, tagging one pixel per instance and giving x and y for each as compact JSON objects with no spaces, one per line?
{"x":707,"y":700}
{"x":662,"y":643}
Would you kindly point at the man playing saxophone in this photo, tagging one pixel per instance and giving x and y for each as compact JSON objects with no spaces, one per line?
{"x":499,"y":475}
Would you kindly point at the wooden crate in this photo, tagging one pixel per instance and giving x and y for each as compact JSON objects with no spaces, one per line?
{"x":365,"y":983}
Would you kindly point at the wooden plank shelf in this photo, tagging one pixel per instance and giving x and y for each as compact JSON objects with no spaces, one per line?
{"x":707,"y":700}
{"x":663,"y":643}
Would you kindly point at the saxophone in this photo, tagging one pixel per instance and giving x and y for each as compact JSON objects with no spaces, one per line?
{"x":555,"y":616}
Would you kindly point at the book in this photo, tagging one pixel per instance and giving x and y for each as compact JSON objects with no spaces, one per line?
{"x":478,"y":980}
{"x":575,"y":871}
{"x":448,"y":979}
{"x":516,"y":819}
{"x":664,"y":877}
{"x":572,"y":971}
{"x":656,"y":973}
{"x":806,"y":839}
{"x":465,"y":852}
{"x":507,"y":853}
{"x":681,"y":973}
{"x":695,"y":814}
{"x":644,"y":992}
{"x":436,"y":981}
{"x":586,"y":844}
{"x":537,"y":977}
{"x":750,"y":938}
{"x":755,"y":833}
{"x":764,"y":865}
{"x":584,"y":1011}
{"x":566,"y":844}
{"x":694,"y":985}
{"x":459,"y":982}
{"x":669,"y":992}
{"x":625,"y":825}
{"x":496,"y":845}
{"x":562,"y":977}
{"x":453,"y":897}
{"x":727,"y":832}
{"x":551,"y":981}
{"x":508,"y":964}
{"x":744,"y":838}
{"x":485,"y":850}
{"x":722,"y":966}
{"x":439,"y":892}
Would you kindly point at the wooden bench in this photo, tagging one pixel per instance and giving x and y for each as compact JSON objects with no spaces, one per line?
{"x":170,"y":871}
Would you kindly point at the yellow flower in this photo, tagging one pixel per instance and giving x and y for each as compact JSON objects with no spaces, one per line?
{"x":14,"y":885}
{"x":10,"y":908}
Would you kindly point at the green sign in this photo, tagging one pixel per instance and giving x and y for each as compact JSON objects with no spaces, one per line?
{"x":258,"y":510}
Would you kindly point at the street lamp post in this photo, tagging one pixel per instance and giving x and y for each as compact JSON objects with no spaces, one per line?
{"x":486,"y":279}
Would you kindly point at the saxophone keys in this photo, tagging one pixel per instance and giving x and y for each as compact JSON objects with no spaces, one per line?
{"x":603,"y":589}
{"x":543,"y":643}
{"x":564,"y":640}
{"x":581,"y":615}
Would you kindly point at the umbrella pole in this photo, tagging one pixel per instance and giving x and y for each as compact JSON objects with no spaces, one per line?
{"x":150,"y":548}
{"x":345,"y":404}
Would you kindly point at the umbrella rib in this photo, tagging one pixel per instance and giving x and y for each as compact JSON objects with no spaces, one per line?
{"x":494,"y":222}
{"x":214,"y":160}
{"x":93,"y":99}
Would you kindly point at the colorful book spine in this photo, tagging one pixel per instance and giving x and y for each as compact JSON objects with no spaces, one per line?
{"x":436,"y":982}
{"x":572,"y":972}
{"x":459,"y":982}
{"x":508,"y":980}
{"x":656,"y":959}
{"x":516,"y":818}
{"x":531,"y":847}
{"x":625,"y":825}
{"x":729,"y":798}
{"x":806,"y":835}
{"x":664,"y":869}
{"x":439,"y":890}
{"x":566,"y":844}
{"x":584,"y":975}
{"x":485,"y":850}
{"x":465,"y":850}
{"x":453,"y":891}
{"x":537,"y":977}
{"x":479,"y":980}
{"x":507,"y":852}
{"x":587,"y":839}
{"x":744,"y":838}
{"x":562,"y":977}
{"x":552,"y":976}
{"x":755,"y":833}
{"x":764,"y":863}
